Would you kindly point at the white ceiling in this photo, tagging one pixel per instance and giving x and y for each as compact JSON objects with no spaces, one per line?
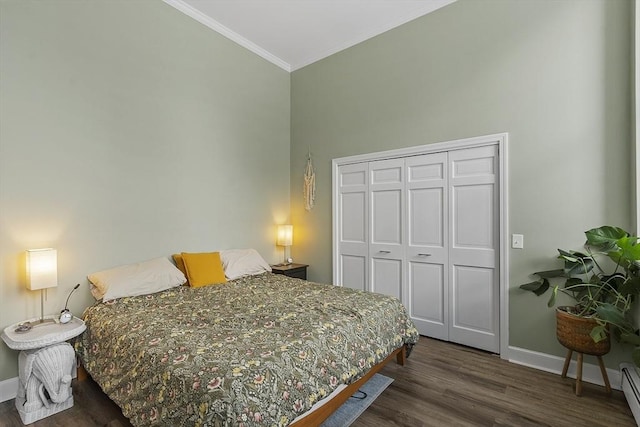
{"x":295,"y":33}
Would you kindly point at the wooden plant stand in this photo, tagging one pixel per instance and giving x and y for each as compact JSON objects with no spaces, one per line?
{"x":573,"y":333}
{"x":567,"y":360}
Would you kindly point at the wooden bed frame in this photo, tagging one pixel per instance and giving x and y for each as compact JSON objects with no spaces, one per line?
{"x":316,"y":417}
{"x":323,"y":412}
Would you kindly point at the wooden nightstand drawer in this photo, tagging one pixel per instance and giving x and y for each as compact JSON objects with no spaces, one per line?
{"x":298,"y":271}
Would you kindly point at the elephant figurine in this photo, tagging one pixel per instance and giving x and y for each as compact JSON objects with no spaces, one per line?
{"x":44,"y":386}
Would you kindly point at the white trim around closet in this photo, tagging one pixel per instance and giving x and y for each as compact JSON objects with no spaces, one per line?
{"x":499,"y":139}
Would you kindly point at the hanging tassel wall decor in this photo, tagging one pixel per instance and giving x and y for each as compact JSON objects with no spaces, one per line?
{"x":309,"y":189}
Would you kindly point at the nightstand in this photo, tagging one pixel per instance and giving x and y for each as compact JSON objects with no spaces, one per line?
{"x":45,"y":359}
{"x":298,"y":271}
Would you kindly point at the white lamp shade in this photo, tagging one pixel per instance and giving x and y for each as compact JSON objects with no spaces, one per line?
{"x":285,"y":235}
{"x":42,"y":268}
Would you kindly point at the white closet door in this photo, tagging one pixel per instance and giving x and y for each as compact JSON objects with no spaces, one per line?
{"x":427,"y":247}
{"x":353,"y":242}
{"x":386,"y":250}
{"x":473,"y":253}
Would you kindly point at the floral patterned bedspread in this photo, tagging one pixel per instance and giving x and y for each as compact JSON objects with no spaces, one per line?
{"x":258,"y":350}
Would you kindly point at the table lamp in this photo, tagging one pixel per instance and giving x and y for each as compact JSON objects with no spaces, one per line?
{"x":285,"y":238}
{"x":42,"y":273}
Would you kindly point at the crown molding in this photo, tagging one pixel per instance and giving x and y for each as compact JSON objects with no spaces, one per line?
{"x":226,"y":32}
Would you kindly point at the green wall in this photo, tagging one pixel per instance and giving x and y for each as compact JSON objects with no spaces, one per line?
{"x":130,"y":131}
{"x":555,"y":75}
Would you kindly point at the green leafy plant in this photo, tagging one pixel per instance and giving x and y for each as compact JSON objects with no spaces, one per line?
{"x":604,"y":281}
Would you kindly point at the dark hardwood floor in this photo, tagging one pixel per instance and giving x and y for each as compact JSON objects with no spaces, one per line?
{"x":442,"y":384}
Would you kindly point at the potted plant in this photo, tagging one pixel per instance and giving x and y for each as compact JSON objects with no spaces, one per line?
{"x":603,"y":281}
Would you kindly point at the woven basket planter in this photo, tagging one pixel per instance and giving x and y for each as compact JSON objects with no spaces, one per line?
{"x":573,"y":333}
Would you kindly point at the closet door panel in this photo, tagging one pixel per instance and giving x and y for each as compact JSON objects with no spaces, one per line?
{"x":386,"y":214}
{"x":472,"y":289}
{"x":427,"y":302}
{"x":386,"y":210}
{"x":474,"y":214}
{"x":354,"y":269}
{"x":353,"y":241}
{"x":473,"y":253}
{"x":426,"y":248}
{"x":353,"y":217}
{"x":387,"y":276}
{"x":426,"y":207}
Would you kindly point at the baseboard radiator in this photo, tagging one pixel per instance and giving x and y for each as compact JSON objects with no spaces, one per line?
{"x":631,"y":388}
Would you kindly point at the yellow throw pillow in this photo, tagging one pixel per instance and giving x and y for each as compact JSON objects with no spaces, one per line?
{"x":203,"y":268}
{"x":177,"y":258}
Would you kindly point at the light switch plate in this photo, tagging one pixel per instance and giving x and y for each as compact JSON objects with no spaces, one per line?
{"x":517,"y":241}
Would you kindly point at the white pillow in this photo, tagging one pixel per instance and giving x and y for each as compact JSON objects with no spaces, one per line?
{"x":142,"y":278}
{"x":242,"y":262}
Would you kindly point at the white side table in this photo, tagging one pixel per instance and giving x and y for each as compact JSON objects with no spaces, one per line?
{"x":42,"y":335}
{"x":46,"y":340}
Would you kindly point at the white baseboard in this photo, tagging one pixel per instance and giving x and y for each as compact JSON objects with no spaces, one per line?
{"x":8,"y":389}
{"x":554,"y":364}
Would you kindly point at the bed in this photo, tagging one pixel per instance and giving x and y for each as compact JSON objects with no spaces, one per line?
{"x":257,"y":350}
